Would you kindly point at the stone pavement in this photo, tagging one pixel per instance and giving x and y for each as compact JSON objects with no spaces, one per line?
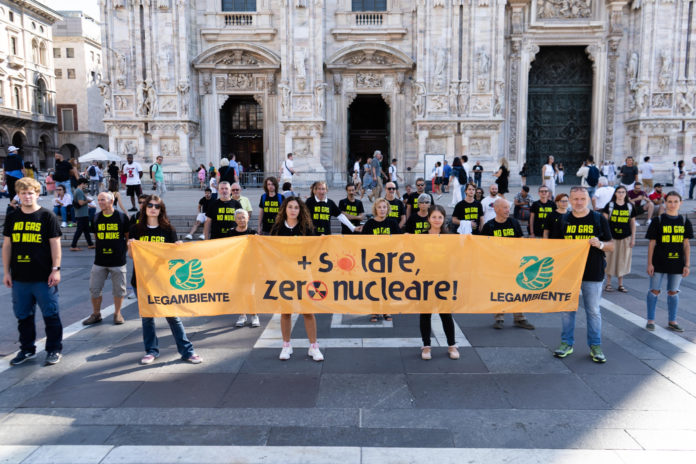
{"x":371,"y":401}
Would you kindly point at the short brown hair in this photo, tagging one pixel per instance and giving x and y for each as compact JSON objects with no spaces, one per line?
{"x":28,"y":183}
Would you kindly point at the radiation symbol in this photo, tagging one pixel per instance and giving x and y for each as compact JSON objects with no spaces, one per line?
{"x":317,"y":290}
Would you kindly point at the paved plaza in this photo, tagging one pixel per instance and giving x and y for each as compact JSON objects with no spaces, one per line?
{"x":373,"y":400}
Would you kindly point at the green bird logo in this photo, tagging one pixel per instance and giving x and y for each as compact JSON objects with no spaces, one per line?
{"x":188,"y":276}
{"x":537,"y":274}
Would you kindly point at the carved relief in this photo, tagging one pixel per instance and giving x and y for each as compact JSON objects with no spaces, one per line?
{"x":638,"y":98}
{"x":369,"y":80}
{"x":665,"y":70}
{"x":480,"y":146}
{"x":337,"y":83}
{"x":122,"y":102}
{"x":564,"y":9}
{"x":240,"y":81}
{"x":438,"y":103}
{"x":481,"y":104}
{"x":302,"y":104}
{"x":219,"y":83}
{"x":128,"y":147}
{"x":234,"y":58}
{"x":363,"y":58}
{"x":167,"y":104}
{"x":206,"y":83}
{"x":658,"y":145}
{"x":685,"y":99}
{"x":302,"y":148}
{"x":399,"y":82}
{"x":661,"y":101}
{"x":436,"y":145}
{"x":169,"y":147}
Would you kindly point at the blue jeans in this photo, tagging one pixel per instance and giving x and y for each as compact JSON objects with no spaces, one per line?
{"x":462,"y":189}
{"x":591,"y":294}
{"x":63,"y":211}
{"x":183,"y":345}
{"x":591,"y":191}
{"x":25,"y":296}
{"x":673,"y":281}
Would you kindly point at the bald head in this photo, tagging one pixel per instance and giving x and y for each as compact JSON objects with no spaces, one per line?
{"x":502,"y":209}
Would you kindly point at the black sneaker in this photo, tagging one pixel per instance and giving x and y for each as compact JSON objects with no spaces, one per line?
{"x":498,"y":324}
{"x":53,"y":358}
{"x":21,"y":357}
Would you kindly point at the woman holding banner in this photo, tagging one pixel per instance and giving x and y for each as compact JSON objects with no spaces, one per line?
{"x":436,"y":218}
{"x":157,"y":228}
{"x":294,"y":220}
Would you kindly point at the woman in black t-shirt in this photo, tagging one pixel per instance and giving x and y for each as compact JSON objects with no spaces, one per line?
{"x":418,"y":223}
{"x":436,"y":218}
{"x":621,"y":216}
{"x":668,"y":256}
{"x":294,"y":220}
{"x":157,"y":228}
{"x":554,"y":216}
{"x":241,"y":217}
{"x":502,"y":175}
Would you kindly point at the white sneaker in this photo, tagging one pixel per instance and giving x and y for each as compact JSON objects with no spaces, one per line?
{"x":637,"y":223}
{"x":315,"y":353}
{"x":63,"y":224}
{"x":647,"y":223}
{"x":201,"y":237}
{"x":241,"y":322}
{"x":255,"y":321}
{"x":132,"y":296}
{"x":188,"y":237}
{"x":285,"y":352}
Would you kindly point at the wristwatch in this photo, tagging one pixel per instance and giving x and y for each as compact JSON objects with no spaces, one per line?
{"x":601,"y":245}
{"x":56,"y":268}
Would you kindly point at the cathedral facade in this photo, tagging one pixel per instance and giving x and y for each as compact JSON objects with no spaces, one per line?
{"x":330,"y":81}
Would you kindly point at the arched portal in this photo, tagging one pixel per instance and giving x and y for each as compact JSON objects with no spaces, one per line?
{"x":69,"y":151}
{"x":241,"y":131}
{"x":368,"y":129}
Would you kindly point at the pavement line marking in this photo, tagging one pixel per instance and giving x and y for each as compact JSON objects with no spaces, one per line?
{"x":68,"y":332}
{"x":659,"y":332}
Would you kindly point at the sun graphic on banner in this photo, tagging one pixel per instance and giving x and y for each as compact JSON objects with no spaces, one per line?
{"x":346,"y":262}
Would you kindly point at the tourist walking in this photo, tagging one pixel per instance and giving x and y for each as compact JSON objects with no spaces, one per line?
{"x":548,"y":175}
{"x":133,"y":172}
{"x":501,"y":177}
{"x":81,"y":209}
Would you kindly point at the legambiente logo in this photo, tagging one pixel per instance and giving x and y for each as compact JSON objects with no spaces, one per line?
{"x":188,"y":275}
{"x":536,"y":274}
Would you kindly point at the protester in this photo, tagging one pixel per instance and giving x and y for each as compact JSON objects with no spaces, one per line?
{"x":158,"y":173}
{"x":436,"y":218}
{"x":155,"y":227}
{"x":352,"y":208}
{"x":81,"y":208}
{"x":583,"y":224}
{"x":321,"y":209}
{"x":478,"y":174}
{"x":236,"y":190}
{"x":628,"y":173}
{"x":668,"y":257}
{"x":548,"y":175}
{"x":294,"y":219}
{"x":602,"y":195}
{"x":469,"y":210}
{"x":62,"y":202}
{"x":487,"y":203}
{"x":133,"y":173}
{"x":135,"y":217}
{"x":31,"y":263}
{"x":13,"y":169}
{"x":523,"y":204}
{"x":269,"y":205}
{"x":646,"y":171}
{"x":287,"y":169}
{"x":111,"y":234}
{"x":397,"y":210}
{"x":622,"y":222}
{"x":200,"y":217}
{"x":561,"y":201}
{"x":412,"y":202}
{"x":478,"y":195}
{"x":219,"y":220}
{"x":406,"y":195}
{"x":417,"y":222}
{"x":641,"y":202}
{"x":502,"y":225}
{"x":539,"y":212}
{"x":502,"y":175}
{"x":242,"y":220}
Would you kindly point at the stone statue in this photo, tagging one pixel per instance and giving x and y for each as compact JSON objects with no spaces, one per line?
{"x":419,"y":98}
{"x":121,"y":69}
{"x":284,"y":98}
{"x":483,"y":62}
{"x":684,"y":99}
{"x":338,"y":84}
{"x":150,"y":98}
{"x":497,"y":102}
{"x":632,"y":70}
{"x":105,"y":89}
{"x":299,"y":63}
{"x":319,"y":94}
{"x":641,"y":98}
{"x":665,"y":75}
{"x":463,"y":98}
{"x":453,"y":91}
{"x":140,"y":99}
{"x":183,"y":89}
{"x":440,"y":61}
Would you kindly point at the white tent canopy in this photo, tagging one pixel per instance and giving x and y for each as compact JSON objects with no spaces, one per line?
{"x":99,"y":154}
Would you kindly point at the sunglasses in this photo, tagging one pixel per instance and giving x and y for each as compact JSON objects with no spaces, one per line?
{"x":154,"y":205}
{"x":236,"y":190}
{"x":391,"y":188}
{"x":420,"y":185}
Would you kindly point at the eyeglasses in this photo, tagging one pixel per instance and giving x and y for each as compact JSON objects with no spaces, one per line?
{"x":154,"y":205}
{"x":423,"y":202}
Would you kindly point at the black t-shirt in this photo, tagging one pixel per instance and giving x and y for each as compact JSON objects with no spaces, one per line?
{"x":620,"y":220}
{"x":387,"y":227}
{"x":235,"y":233}
{"x":270,"y":207}
{"x":62,"y":172}
{"x":14,"y":163}
{"x":415,"y":224}
{"x":321,"y":212}
{"x":30,"y":260}
{"x":628,"y":175}
{"x":222,"y":215}
{"x":413,"y":200}
{"x":540,"y":211}
{"x":153,"y":234}
{"x":584,"y":229}
{"x":510,"y":228}
{"x":285,"y":231}
{"x":396,"y":209}
{"x":111,"y":239}
{"x":204,"y":203}
{"x":226,"y":174}
{"x":134,"y":219}
{"x":465,"y":211}
{"x":113,"y":171}
{"x":551,"y":220}
{"x":478,"y":170}
{"x":354,"y":208}
{"x":669,"y":233}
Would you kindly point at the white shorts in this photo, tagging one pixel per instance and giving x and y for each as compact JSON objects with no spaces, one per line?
{"x":200,"y":217}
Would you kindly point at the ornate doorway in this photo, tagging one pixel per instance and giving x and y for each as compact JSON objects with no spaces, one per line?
{"x":559,"y":110}
{"x":368,"y":129}
{"x":241,"y":131}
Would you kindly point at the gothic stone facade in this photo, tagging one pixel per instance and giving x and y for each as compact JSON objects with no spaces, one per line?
{"x":454,"y":74}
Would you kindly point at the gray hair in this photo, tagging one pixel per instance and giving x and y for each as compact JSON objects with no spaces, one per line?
{"x":108,"y":195}
{"x":241,"y":211}
{"x":603,"y":181}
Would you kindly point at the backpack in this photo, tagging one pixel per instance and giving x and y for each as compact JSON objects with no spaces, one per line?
{"x":461,"y":176}
{"x":152,"y":174}
{"x":597,"y":217}
{"x":592,"y":176}
{"x":92,"y":171}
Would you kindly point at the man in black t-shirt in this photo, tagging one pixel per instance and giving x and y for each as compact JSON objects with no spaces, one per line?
{"x":502,"y":225}
{"x":220,"y":214}
{"x":321,"y":209}
{"x":469,"y":210}
{"x":583,"y":224}
{"x":412,"y":202}
{"x":31,"y":257}
{"x":110,"y":229}
{"x":63,"y":172}
{"x":539,"y":212}
{"x":397,"y":210}
{"x":352,"y":208}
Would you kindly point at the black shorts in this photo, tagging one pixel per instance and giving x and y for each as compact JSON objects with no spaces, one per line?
{"x":133,"y":190}
{"x":639,"y":210}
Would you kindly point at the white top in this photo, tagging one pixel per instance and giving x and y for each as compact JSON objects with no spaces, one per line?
{"x":213,"y":184}
{"x":438,"y":171}
{"x":693,"y":169}
{"x":582,"y":173}
{"x":646,"y":170}
{"x":392,"y":173}
{"x":356,"y":166}
{"x":488,"y":209}
{"x":285,"y":169}
{"x":132,"y":171}
{"x":548,"y":171}
{"x":602,"y":196}
{"x":467,"y":168}
{"x":65,"y":201}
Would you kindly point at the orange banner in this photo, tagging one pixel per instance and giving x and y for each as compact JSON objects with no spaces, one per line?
{"x":359,"y":274}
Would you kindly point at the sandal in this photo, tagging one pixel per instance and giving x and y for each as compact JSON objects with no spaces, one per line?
{"x":387,"y":317}
{"x":622,"y":289}
{"x":608,"y":288}
{"x":373,"y":318}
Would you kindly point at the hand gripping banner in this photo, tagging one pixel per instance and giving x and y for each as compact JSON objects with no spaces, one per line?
{"x":359,"y":274}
